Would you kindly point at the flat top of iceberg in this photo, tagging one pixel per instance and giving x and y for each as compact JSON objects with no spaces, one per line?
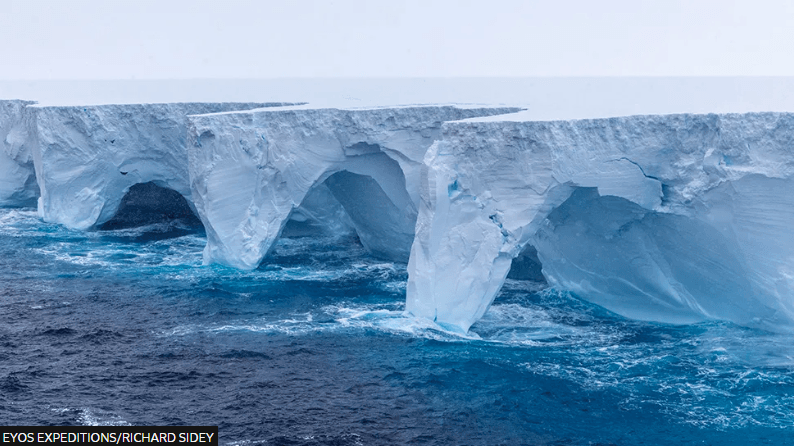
{"x":544,"y":98}
{"x":260,"y":105}
{"x":530,"y":116}
{"x":309,"y":106}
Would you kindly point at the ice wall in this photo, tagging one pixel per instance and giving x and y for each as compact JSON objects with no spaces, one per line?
{"x":17,"y":176}
{"x":250,"y":170}
{"x":87,"y":157}
{"x":672,"y":218}
{"x":675,"y":218}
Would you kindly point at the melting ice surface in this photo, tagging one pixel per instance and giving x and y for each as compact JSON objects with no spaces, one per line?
{"x":126,"y":327}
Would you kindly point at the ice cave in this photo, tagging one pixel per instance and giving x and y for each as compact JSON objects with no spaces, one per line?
{"x":668,"y":218}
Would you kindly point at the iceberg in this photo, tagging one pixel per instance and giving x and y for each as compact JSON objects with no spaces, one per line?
{"x":87,"y":157}
{"x":251,"y":170}
{"x":668,"y":218}
{"x":17,"y":175}
{"x":675,"y":219}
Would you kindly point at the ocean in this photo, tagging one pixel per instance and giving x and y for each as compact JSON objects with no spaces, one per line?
{"x":127,"y":327}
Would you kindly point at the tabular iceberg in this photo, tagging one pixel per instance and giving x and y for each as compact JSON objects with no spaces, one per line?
{"x":250,"y":170}
{"x":674,"y":218}
{"x":17,"y":174}
{"x":87,"y":157}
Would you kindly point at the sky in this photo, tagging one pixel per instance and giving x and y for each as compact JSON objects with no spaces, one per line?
{"x":261,"y":39}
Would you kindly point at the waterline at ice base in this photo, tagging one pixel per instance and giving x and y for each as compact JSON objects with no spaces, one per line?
{"x":453,"y":269}
{"x":674,"y":219}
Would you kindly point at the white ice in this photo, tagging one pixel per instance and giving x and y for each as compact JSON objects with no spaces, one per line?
{"x":251,"y":170}
{"x":674,"y":218}
{"x":87,"y":157}
{"x":17,"y":175}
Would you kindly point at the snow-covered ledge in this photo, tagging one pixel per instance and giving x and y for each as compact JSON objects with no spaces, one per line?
{"x":17,"y":175}
{"x":87,"y":157}
{"x":675,"y":218}
{"x":250,"y":170}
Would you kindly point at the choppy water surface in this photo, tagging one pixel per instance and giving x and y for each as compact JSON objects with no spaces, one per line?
{"x":127,"y":327}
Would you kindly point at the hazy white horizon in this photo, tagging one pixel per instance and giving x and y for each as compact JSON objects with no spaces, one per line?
{"x":255,"y":39}
{"x":544,"y":98}
{"x":561,"y":60}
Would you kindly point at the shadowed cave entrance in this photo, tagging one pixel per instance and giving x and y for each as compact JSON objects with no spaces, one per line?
{"x":356,"y":208}
{"x":160,"y":209}
{"x":527,"y":266}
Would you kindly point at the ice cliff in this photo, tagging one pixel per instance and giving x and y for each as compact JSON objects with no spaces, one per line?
{"x":87,"y":157}
{"x":675,"y":218}
{"x":17,"y":175}
{"x":251,"y":170}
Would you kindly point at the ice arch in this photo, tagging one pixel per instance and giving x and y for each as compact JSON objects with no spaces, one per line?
{"x":250,"y":171}
{"x":383,"y":217}
{"x":490,"y":188}
{"x":351,"y":203}
{"x":368,"y":196}
{"x":87,"y":157}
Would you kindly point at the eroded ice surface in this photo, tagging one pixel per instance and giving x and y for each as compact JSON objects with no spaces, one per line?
{"x":685,"y":217}
{"x":17,"y":175}
{"x":250,"y":170}
{"x":87,"y":157}
{"x":674,"y":218}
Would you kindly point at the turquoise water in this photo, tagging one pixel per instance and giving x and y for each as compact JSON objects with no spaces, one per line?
{"x":127,"y":327}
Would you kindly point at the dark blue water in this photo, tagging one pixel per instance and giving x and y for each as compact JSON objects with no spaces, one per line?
{"x":126,"y":327}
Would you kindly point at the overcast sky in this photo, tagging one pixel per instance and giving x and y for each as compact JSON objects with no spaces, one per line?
{"x":162,"y":39}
